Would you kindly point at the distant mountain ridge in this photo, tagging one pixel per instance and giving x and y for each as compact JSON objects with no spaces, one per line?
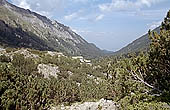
{"x":23,"y":28}
{"x":140,"y":44}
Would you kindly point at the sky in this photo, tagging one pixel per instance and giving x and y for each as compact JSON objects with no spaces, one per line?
{"x":109,"y":24}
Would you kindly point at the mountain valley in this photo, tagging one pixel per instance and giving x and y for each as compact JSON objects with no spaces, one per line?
{"x":44,"y":65}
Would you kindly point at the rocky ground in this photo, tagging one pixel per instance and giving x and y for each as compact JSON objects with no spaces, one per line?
{"x":100,"y":105}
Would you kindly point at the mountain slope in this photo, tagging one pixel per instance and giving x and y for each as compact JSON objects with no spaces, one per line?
{"x":140,"y":44}
{"x":23,"y":28}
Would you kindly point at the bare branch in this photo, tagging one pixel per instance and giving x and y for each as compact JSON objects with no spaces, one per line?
{"x":141,"y":80}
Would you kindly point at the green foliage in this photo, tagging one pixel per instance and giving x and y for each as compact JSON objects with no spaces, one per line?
{"x":149,"y":106}
{"x":131,"y":100}
{"x":142,"y":74}
{"x":24,"y":65}
{"x":90,"y":91}
{"x":37,"y":52}
{"x":159,"y":60}
{"x":21,"y":86}
{"x":66,"y":91}
{"x":9,"y":49}
{"x":4,"y":58}
{"x":147,"y":73}
{"x":18,"y":91}
{"x":123,"y":81}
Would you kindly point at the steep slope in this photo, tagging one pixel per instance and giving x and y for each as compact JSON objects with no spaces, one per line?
{"x":140,"y":44}
{"x":23,"y":28}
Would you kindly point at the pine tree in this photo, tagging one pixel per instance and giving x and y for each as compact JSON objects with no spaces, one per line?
{"x":159,"y":56}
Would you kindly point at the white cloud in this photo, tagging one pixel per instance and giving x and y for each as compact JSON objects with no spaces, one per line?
{"x":150,"y":14}
{"x":154,"y":24}
{"x":83,"y":16}
{"x":71,"y":16}
{"x":92,"y":33}
{"x":133,"y":8}
{"x":99,"y":17}
{"x":59,"y":8}
{"x":83,"y":1}
{"x":126,"y":5}
{"x":46,"y":13}
{"x":22,"y":3}
{"x":45,"y":7}
{"x":74,"y":15}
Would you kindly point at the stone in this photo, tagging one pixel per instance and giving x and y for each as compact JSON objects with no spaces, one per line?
{"x":100,"y":105}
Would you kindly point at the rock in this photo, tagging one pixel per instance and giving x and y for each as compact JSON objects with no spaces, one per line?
{"x":26,"y":53}
{"x":70,"y":73}
{"x":100,"y":105}
{"x":48,"y":70}
{"x":59,"y":54}
{"x":2,"y":51}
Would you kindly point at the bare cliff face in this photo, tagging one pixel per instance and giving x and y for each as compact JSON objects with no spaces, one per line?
{"x":23,"y":28}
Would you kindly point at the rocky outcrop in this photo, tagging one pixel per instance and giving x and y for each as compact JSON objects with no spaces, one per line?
{"x":26,"y":53}
{"x":2,"y":51}
{"x":59,"y":54}
{"x":48,"y":70}
{"x":100,"y":105}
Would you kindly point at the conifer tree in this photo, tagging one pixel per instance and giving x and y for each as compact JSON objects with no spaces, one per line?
{"x":159,"y":56}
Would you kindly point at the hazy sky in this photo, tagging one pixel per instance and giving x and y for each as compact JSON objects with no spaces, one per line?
{"x":110,"y":24}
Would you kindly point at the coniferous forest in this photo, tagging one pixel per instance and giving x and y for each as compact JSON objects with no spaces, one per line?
{"x":134,"y":81}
